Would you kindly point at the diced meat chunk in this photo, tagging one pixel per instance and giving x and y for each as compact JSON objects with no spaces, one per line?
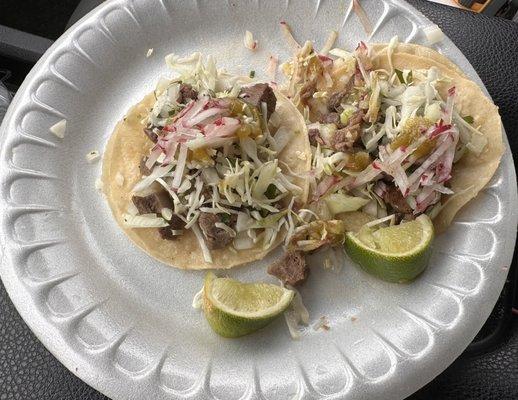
{"x":176,"y":222}
{"x":345,"y":138}
{"x":187,"y":93}
{"x":331,"y":118}
{"x":166,"y":233}
{"x":143,"y":169}
{"x":307,"y":91}
{"x":151,"y":134}
{"x":291,"y":268}
{"x":396,"y":200}
{"x":153,"y":203}
{"x":314,"y":136}
{"x":335,"y":100}
{"x":260,"y":93}
{"x":403,"y":217}
{"x":216,"y":238}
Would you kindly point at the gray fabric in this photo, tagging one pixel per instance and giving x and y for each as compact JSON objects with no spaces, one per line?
{"x":5,"y":99}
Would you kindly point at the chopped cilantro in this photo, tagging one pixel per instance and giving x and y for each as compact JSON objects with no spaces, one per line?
{"x":468,"y":119}
{"x":271,"y":191}
{"x":399,"y":74}
{"x":252,"y":74}
{"x":225,"y":218}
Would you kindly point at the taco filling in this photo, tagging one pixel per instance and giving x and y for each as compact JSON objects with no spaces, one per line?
{"x":217,"y":163}
{"x":384,"y":140}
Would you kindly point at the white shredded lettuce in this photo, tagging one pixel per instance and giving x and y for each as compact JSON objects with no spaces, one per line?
{"x":144,"y":221}
{"x":201,"y":241}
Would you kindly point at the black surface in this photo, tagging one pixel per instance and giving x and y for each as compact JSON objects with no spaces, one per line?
{"x":46,"y":18}
{"x":28,"y":371}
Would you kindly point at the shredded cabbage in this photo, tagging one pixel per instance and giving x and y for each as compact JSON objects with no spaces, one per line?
{"x":141,"y":221}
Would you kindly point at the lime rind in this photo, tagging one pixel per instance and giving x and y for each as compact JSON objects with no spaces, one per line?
{"x":228,"y":322}
{"x":400,"y":267}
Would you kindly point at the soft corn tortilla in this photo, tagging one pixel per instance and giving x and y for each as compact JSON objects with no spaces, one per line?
{"x":122,"y":155}
{"x":422,"y":52}
{"x":471,"y":173}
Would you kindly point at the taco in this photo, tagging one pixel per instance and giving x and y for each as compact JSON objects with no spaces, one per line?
{"x":395,"y":129}
{"x":204,"y":172}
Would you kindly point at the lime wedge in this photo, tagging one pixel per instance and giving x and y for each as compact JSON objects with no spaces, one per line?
{"x":397,"y":253}
{"x":235,"y":309}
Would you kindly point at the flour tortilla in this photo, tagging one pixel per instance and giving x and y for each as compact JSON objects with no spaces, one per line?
{"x":122,"y":155}
{"x":472,"y":172}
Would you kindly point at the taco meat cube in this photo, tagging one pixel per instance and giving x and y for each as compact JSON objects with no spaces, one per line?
{"x":396,"y":200}
{"x":166,"y":233}
{"x":143,"y":169}
{"x":216,"y":238}
{"x":176,"y":223}
{"x":331,"y":118}
{"x":291,"y":268}
{"x":335,"y":100}
{"x":151,"y":135}
{"x":345,"y":138}
{"x":307,"y":91}
{"x":153,"y":203}
{"x":187,"y":93}
{"x":314,"y":136}
{"x":260,"y":93}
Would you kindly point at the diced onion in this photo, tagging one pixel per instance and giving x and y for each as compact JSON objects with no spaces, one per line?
{"x":167,"y":213}
{"x":249,"y":41}
{"x":59,"y":128}
{"x":433,"y":34}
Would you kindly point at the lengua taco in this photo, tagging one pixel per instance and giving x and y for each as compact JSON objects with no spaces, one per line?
{"x":204,"y":172}
{"x":396,"y":129}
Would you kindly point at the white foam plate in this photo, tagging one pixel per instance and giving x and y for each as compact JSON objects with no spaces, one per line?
{"x":122,"y":322}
